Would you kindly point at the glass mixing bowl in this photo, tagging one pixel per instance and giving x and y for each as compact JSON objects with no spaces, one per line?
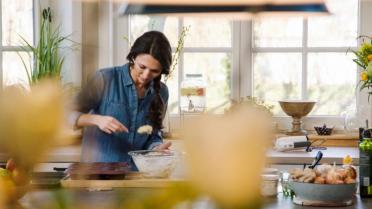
{"x":155,"y":164}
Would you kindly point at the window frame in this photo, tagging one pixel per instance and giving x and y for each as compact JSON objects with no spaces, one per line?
{"x":242,"y":51}
{"x":17,"y":48}
{"x":312,"y":120}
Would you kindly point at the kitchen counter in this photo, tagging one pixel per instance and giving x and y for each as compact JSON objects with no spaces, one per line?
{"x":330,"y":155}
{"x":70,"y":154}
{"x":108,"y":199}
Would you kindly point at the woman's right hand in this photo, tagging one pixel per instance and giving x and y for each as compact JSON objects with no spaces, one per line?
{"x":109,"y":124}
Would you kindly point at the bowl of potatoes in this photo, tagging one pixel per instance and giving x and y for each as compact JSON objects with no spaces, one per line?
{"x":325,"y":185}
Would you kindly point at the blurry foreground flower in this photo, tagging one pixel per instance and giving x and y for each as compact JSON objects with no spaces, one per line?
{"x":226,"y":155}
{"x":29,"y":121}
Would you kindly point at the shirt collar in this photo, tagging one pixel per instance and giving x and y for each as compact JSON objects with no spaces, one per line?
{"x":129,"y":81}
{"x":127,"y":78}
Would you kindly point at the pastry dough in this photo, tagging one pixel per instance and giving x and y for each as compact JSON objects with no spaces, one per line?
{"x":146,"y":129}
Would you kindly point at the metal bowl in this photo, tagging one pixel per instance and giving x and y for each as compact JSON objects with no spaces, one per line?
{"x":324,"y":193}
{"x":155,"y":164}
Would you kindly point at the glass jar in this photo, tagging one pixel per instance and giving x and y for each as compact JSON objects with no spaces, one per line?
{"x":193,"y":95}
{"x":269,"y":185}
{"x":354,"y":119}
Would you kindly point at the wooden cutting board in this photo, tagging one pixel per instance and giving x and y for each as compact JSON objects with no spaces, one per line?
{"x":134,"y":180}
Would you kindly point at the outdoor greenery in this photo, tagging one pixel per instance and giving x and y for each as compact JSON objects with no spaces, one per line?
{"x":178,"y":51}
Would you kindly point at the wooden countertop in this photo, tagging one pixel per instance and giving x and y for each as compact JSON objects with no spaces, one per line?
{"x":126,"y":183}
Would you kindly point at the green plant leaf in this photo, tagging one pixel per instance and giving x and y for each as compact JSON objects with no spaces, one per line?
{"x":48,"y":61}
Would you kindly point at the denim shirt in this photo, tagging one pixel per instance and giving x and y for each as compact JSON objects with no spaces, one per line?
{"x":112,"y":92}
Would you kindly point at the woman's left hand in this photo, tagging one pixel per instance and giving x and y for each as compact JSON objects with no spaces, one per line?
{"x":163,"y":147}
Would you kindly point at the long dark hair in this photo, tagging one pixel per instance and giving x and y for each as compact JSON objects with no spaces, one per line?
{"x":157,"y":45}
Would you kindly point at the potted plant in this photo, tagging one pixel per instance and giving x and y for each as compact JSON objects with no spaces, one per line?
{"x":48,"y":60}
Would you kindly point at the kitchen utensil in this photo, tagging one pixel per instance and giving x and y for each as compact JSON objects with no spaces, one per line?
{"x":289,"y":143}
{"x":317,"y":159}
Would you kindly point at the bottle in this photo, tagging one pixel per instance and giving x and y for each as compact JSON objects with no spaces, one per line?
{"x":365,"y":162}
{"x":193,"y":93}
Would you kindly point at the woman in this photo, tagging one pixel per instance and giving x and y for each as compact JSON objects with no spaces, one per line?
{"x":119,"y":100}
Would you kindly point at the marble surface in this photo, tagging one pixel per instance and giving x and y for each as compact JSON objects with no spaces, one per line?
{"x":330,"y":155}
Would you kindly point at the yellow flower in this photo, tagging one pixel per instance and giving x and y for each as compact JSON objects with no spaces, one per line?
{"x":347,"y":160}
{"x":369,"y":57}
{"x":364,"y":76}
{"x":30,"y":121}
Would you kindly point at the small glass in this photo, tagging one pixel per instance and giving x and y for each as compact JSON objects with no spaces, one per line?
{"x":284,"y":182}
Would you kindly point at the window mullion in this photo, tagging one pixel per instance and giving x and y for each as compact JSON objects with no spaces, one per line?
{"x":180,"y":64}
{"x":304,"y":74}
{"x":208,"y":49}
{"x":246,"y":59}
{"x":1,"y":47}
{"x":236,"y":51}
{"x":276,"y":49}
{"x":14,"y":49}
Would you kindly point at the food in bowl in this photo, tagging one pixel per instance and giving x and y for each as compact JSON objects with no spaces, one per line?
{"x":155,"y":164}
{"x":325,"y":174}
{"x":325,"y":185}
{"x":323,"y":130}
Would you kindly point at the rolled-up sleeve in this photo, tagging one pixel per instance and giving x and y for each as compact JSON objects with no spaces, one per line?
{"x":87,"y":99}
{"x":155,"y":140}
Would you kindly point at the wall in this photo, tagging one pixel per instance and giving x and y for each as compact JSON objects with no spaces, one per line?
{"x":97,"y":34}
{"x":90,"y":38}
{"x":67,"y":16}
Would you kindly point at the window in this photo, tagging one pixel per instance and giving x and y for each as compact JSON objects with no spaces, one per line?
{"x":270,"y":58}
{"x":296,"y":58}
{"x":207,"y":50}
{"x":16,"y":21}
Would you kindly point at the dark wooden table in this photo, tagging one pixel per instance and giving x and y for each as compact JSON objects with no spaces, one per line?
{"x":83,"y":198}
